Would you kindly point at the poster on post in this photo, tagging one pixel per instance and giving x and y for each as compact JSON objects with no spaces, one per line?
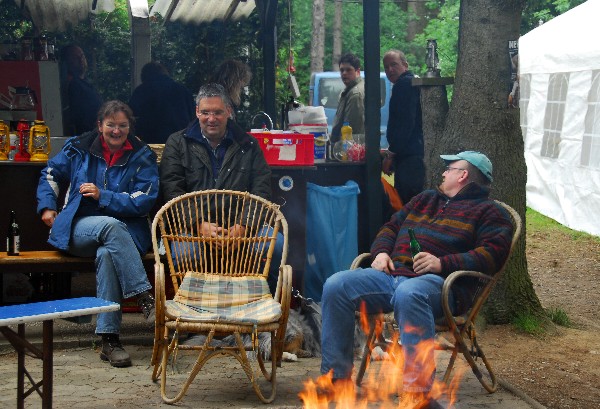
{"x":513,"y":56}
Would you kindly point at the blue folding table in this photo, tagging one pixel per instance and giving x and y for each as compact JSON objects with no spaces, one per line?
{"x":47,"y":312}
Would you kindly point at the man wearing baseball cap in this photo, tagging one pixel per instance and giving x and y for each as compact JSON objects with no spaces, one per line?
{"x":477,"y":159}
{"x":459,"y":228}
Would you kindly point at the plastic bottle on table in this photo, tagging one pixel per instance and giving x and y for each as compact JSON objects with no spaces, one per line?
{"x":346,"y":132}
{"x":340,"y":149}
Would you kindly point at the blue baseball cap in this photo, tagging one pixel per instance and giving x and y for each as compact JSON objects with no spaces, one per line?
{"x":477,"y":159}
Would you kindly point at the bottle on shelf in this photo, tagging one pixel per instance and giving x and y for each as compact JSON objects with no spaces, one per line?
{"x":341,"y":147}
{"x":415,"y":247}
{"x":346,"y":132}
{"x":13,"y":242}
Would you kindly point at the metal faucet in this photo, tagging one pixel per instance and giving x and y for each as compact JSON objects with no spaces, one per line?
{"x":266,"y":115}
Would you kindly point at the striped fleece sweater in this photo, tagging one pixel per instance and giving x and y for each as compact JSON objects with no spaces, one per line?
{"x":466,"y":232}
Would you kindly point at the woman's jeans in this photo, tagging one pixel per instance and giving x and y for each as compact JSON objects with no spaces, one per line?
{"x":416,"y":302}
{"x":119,"y":269}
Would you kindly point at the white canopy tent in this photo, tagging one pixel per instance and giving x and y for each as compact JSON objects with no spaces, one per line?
{"x":559,"y":66}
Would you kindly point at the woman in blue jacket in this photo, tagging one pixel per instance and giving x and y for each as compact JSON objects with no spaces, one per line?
{"x":111,"y":182}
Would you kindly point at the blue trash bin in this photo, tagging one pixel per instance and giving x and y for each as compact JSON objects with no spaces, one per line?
{"x":331,"y":233}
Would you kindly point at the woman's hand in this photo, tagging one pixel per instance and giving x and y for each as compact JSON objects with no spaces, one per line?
{"x":90,"y":190}
{"x":48,"y":217}
{"x":383,"y":262}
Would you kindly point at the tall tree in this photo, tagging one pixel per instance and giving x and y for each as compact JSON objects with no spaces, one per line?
{"x":317,"y":47}
{"x":419,"y":14}
{"x":479,"y":119}
{"x":337,"y":35}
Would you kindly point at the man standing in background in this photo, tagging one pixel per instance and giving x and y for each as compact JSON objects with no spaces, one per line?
{"x":351,"y":106}
{"x":83,"y":101}
{"x":404,"y":130}
{"x":161,"y":106}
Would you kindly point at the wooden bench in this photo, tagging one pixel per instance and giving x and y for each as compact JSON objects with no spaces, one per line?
{"x":59,"y":267}
{"x":45,"y":312}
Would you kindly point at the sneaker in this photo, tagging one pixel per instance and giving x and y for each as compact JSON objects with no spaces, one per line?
{"x":145,"y":301}
{"x":113,"y":352}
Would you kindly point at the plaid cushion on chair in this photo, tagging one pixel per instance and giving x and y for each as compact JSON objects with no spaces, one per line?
{"x":203,"y":297}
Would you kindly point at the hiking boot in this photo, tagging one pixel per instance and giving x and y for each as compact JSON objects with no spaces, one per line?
{"x":145,"y":301}
{"x":113,"y":352}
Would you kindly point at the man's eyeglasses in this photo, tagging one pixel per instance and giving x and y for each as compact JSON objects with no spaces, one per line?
{"x":121,"y":128}
{"x":449,"y":168}
{"x":217,"y":114}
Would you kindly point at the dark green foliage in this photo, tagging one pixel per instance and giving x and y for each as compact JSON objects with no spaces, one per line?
{"x":12,"y":24}
{"x":192,"y":54}
{"x":544,"y":10}
{"x":392,"y":26}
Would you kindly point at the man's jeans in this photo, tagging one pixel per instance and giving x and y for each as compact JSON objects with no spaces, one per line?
{"x":119,"y":269}
{"x":186,"y":248}
{"x":416,"y":302}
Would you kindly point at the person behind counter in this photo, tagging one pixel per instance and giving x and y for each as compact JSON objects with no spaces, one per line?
{"x":233,"y":75}
{"x":112,"y":178}
{"x":161,"y":106}
{"x":215,"y":153}
{"x":83,"y":101}
{"x":351,"y":106}
{"x":405,"y":157}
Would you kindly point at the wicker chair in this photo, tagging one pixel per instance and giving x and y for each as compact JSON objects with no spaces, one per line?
{"x":461,"y":327}
{"x":220,"y":284}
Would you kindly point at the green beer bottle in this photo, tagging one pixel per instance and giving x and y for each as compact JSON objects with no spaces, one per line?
{"x":415,"y":247}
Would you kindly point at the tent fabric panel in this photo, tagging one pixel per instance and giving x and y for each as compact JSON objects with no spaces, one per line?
{"x":566,"y":193}
{"x":561,"y":188}
{"x":576,"y":106}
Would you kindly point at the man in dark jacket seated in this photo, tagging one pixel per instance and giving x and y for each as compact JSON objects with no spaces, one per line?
{"x":458,"y":228}
{"x":215,"y":153}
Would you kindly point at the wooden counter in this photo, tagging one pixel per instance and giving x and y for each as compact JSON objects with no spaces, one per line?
{"x":19,"y":180}
{"x":18,"y":185}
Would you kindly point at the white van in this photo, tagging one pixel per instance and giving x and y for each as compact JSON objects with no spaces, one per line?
{"x":326,"y":87}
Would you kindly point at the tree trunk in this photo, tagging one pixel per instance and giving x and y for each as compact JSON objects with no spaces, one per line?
{"x":317,"y":47}
{"x":434,"y":108}
{"x":418,"y":19}
{"x":479,"y":119}
{"x":337,"y":35}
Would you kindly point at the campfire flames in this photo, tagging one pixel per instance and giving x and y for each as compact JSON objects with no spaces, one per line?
{"x":382,"y":385}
